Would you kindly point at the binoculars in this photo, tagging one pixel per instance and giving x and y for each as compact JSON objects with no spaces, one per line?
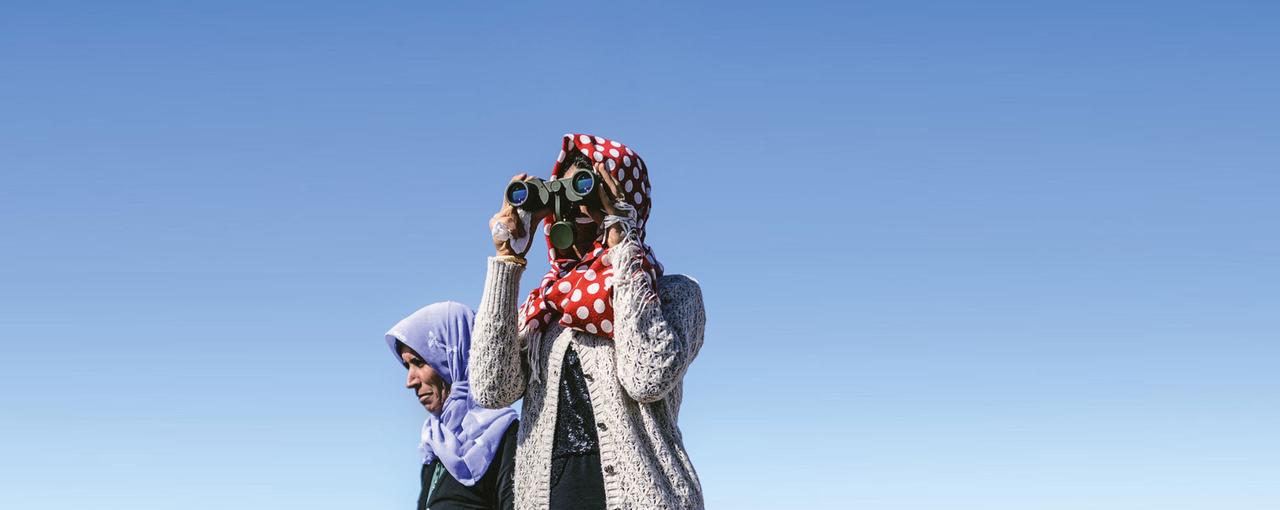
{"x":560,"y":195}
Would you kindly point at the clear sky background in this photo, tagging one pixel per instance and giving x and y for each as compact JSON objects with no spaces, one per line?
{"x":956,"y":255}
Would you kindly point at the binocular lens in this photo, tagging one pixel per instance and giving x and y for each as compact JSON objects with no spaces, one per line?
{"x":516,"y":195}
{"x":583,"y":182}
{"x":561,"y":235}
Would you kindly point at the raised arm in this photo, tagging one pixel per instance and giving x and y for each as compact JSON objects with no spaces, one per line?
{"x":654,"y":341}
{"x":497,"y":379}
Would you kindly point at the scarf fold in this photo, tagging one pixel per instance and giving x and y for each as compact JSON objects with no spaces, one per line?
{"x":578,"y":293}
{"x":465,"y":436}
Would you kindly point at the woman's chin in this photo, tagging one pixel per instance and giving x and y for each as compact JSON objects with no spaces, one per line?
{"x":584,"y":247}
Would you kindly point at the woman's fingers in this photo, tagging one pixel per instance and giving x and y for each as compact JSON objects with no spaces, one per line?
{"x":511,"y":221}
{"x":608,"y":193}
{"x":609,"y":181}
{"x":517,"y":229}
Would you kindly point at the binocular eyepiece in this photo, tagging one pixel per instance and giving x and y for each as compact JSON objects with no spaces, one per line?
{"x":560,"y":195}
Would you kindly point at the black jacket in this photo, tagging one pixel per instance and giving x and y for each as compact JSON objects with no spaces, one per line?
{"x":494,"y":490}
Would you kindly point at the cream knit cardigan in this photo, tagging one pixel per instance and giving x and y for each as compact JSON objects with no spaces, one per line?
{"x":634,"y":380}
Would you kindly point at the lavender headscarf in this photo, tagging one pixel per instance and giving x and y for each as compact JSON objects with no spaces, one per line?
{"x":465,"y":436}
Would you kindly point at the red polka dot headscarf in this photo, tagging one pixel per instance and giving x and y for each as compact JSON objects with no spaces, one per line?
{"x":578,"y":293}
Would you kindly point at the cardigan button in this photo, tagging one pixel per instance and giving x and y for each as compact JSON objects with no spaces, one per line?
{"x":603,"y":426}
{"x":587,"y":376}
{"x":608,"y":470}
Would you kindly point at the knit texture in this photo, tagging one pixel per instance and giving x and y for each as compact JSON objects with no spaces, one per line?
{"x":635,"y":383}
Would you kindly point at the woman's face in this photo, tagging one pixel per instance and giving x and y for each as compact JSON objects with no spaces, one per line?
{"x":426,"y":384}
{"x":586,"y":228}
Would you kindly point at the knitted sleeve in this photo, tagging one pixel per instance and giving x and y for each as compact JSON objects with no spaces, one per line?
{"x":655,"y":339}
{"x":495,"y":372}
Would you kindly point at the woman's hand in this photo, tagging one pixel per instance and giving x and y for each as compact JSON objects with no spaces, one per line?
{"x":610,"y":194}
{"x":508,"y":219}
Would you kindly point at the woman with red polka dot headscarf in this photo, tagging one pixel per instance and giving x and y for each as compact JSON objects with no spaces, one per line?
{"x":598,"y":350}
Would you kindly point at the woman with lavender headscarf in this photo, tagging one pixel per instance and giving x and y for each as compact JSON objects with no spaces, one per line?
{"x":468,"y":451}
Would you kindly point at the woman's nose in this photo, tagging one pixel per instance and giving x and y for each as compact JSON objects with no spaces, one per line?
{"x":410,"y":381}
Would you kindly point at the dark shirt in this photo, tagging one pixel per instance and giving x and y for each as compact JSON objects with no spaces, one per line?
{"x":575,"y":420}
{"x":494,"y":490}
{"x":576,"y":479}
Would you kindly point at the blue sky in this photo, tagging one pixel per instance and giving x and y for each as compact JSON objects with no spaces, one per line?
{"x":982,"y":255}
